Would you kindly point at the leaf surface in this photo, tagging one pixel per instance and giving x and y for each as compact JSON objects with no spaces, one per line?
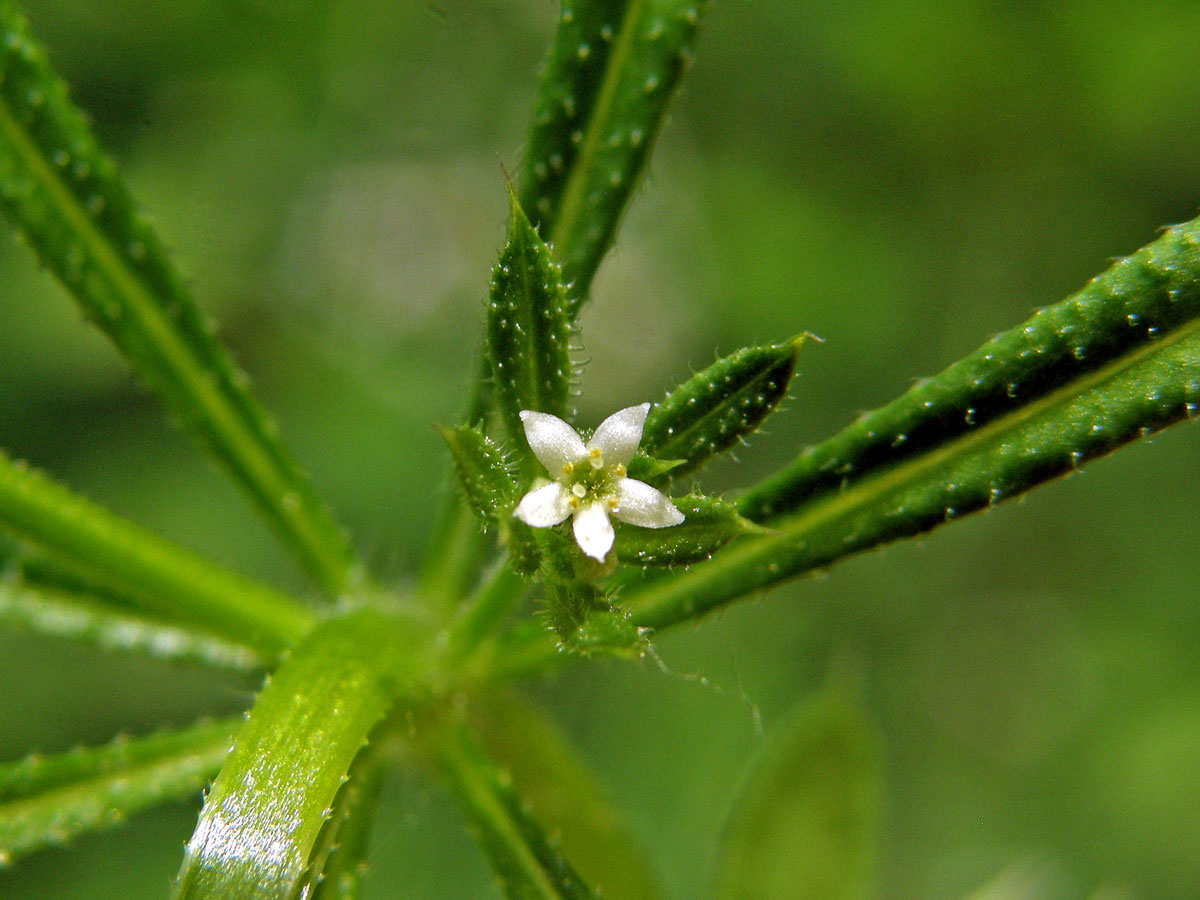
{"x":529,"y":333}
{"x":611,"y":74}
{"x":719,"y":406}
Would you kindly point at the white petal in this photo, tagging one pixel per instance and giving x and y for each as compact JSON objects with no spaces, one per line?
{"x":619,"y":435}
{"x":593,"y":531}
{"x":640,"y":504}
{"x":553,"y":441}
{"x":544,"y":506}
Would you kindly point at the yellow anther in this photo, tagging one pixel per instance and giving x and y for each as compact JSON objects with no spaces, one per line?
{"x":596,"y":455}
{"x":568,"y":468}
{"x":574,"y":502}
{"x":619,"y":470}
{"x":612,"y":504}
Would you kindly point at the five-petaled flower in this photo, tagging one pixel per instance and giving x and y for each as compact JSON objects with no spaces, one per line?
{"x":589,"y":479}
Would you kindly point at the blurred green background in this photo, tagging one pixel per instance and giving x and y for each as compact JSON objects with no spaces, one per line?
{"x":902,"y":179}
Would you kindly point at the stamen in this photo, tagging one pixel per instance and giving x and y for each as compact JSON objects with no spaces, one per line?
{"x":619,"y":470}
{"x":574,"y":502}
{"x":568,"y":468}
{"x":596,"y":455}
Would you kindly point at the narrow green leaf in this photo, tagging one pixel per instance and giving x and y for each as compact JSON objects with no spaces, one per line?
{"x":260,"y":825}
{"x":164,"y":578}
{"x":1115,"y":362}
{"x":487,"y":480}
{"x":49,"y":800}
{"x":529,"y":866}
{"x":565,"y":796}
{"x":806,"y":820}
{"x":611,"y":74}
{"x":719,"y":406}
{"x":528,"y":330}
{"x":93,"y":620}
{"x":66,"y":197}
{"x":709,"y":524}
{"x":652,"y":471}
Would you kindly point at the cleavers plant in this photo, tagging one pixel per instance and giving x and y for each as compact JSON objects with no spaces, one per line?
{"x":562,"y":545}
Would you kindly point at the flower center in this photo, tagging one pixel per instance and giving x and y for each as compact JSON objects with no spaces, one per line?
{"x":590,"y":479}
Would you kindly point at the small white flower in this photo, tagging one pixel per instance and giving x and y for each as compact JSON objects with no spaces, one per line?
{"x":589,"y":479}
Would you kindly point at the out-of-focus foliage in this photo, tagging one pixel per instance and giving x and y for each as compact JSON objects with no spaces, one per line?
{"x":902,"y":180}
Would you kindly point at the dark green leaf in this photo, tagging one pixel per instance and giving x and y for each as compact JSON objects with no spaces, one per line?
{"x":610,"y":77}
{"x":709,"y":524}
{"x":719,"y":406}
{"x":67,"y":199}
{"x":1115,"y":362}
{"x":484,"y":473}
{"x":529,"y":334}
{"x":652,"y":471}
{"x":805,"y":823}
{"x":49,"y":800}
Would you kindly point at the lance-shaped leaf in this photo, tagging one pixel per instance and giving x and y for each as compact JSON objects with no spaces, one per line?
{"x":260,"y":826}
{"x":806,"y":820}
{"x":563,"y":793}
{"x":488,"y":482}
{"x":65,"y":196}
{"x":528,"y":864}
{"x":485,"y":475}
{"x":46,"y":800}
{"x":528,"y":331}
{"x":1116,"y":361}
{"x":162,"y":577}
{"x":604,"y":93}
{"x":709,"y":523}
{"x":720,"y":405}
{"x":94,"y":619}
